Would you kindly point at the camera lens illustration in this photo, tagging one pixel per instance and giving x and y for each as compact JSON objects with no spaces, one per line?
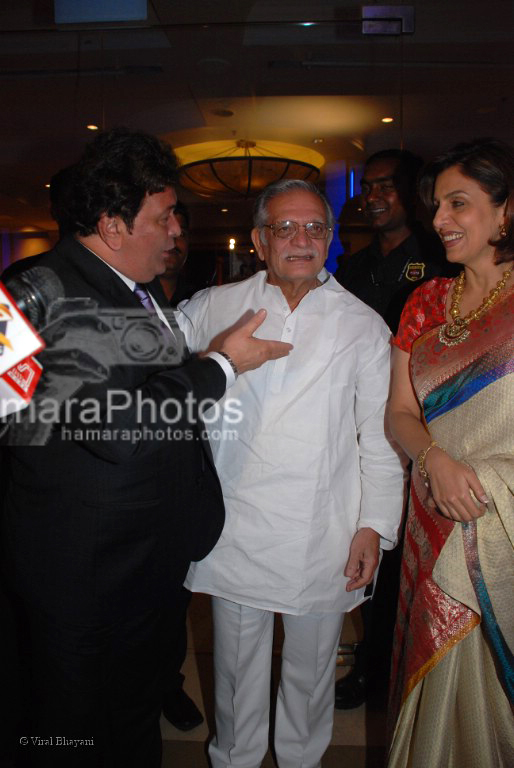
{"x":142,"y":341}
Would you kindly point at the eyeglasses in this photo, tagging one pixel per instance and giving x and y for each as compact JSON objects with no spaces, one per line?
{"x":286,"y":230}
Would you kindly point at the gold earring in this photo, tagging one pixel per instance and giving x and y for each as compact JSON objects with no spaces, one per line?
{"x":503,"y":231}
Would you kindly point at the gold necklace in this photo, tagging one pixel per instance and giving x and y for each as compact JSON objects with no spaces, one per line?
{"x":457,"y":329}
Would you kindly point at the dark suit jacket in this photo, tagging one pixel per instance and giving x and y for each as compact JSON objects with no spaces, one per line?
{"x":104,"y":523}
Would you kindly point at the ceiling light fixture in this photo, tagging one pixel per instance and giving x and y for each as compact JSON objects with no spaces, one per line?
{"x":92,"y":127}
{"x":388,"y":119}
{"x":232,"y":170}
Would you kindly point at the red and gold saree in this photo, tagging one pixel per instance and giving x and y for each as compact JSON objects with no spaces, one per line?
{"x":453,"y":672}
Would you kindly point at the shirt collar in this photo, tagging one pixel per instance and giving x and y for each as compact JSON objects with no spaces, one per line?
{"x":323,"y":276}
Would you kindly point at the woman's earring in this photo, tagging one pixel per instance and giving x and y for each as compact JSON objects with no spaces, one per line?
{"x":503,"y":231}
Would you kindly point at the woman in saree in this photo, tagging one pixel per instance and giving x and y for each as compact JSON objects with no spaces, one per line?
{"x":451,"y":410}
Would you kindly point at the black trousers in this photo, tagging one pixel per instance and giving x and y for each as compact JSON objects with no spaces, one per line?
{"x":93,"y":694}
{"x":374,"y":652}
{"x":173,"y":678}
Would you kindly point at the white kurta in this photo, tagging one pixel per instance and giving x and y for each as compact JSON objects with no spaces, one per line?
{"x":308,"y":463}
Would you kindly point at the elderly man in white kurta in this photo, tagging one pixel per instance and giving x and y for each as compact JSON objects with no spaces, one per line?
{"x":312,"y":487}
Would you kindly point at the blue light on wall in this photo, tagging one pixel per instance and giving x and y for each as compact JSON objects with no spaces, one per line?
{"x":335,"y":190}
{"x":342,"y":184}
{"x":92,"y":11}
{"x":351,"y":180}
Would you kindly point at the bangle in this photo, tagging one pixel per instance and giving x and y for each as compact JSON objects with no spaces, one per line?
{"x":230,"y":362}
{"x":420,"y":461}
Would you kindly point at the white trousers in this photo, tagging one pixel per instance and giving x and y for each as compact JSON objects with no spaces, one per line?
{"x":243,"y":639}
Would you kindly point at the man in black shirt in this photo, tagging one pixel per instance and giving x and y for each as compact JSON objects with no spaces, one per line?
{"x":402,"y":253}
{"x":400,"y":257}
{"x":178,"y":708}
{"x":175,"y":284}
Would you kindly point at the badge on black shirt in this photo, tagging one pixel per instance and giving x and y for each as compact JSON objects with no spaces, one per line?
{"x":415,"y":271}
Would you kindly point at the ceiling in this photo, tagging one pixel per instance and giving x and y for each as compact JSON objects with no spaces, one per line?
{"x":287,"y":70}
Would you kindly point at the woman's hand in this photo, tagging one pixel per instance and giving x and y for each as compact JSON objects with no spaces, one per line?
{"x":455,"y":488}
{"x":452,"y":483}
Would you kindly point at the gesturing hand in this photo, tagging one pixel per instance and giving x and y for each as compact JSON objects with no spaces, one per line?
{"x":246,"y":351}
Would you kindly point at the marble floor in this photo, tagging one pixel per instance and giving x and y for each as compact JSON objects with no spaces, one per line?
{"x":359,"y":734}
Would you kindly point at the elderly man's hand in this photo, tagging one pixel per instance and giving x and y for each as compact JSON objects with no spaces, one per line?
{"x":363,"y":558}
{"x":248,"y":352}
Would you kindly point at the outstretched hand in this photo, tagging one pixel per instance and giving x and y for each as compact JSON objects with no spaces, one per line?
{"x":246,"y":351}
{"x":363,"y":558}
{"x":455,"y":488}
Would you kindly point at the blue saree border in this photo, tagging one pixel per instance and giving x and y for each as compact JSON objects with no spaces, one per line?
{"x":460,"y":388}
{"x":502,"y":651}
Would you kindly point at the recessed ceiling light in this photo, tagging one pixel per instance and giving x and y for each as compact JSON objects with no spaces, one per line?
{"x":47,"y":186}
{"x":224,"y":210}
{"x":318,"y":141}
{"x":388,"y":119}
{"x":92,"y":127}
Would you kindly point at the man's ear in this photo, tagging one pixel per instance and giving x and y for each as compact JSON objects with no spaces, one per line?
{"x":256,"y":240}
{"x":110,"y":229}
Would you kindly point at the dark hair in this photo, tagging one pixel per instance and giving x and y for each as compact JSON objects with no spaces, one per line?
{"x":489,"y":162}
{"x":408,"y":167}
{"x":282,"y":187}
{"x":114,"y":175}
{"x":181,"y":210}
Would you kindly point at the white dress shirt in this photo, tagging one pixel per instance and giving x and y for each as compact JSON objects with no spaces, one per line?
{"x":310,"y":463}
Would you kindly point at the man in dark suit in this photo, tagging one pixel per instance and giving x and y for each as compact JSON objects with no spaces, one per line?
{"x":101,"y":522}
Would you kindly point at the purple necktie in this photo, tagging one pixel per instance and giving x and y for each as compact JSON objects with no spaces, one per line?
{"x":172,"y":335}
{"x":144,"y":297}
